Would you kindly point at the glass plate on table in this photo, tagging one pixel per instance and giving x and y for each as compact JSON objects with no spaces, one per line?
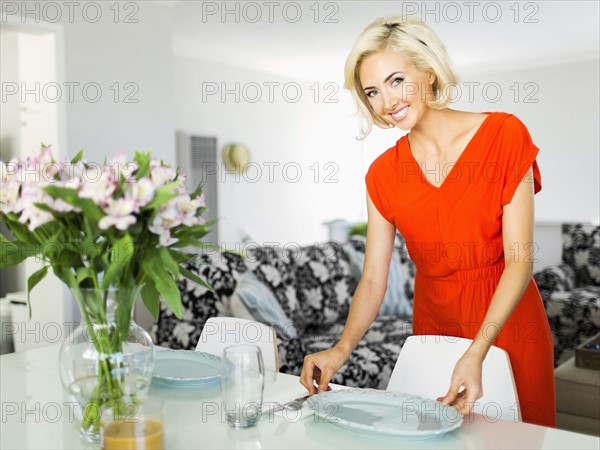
{"x":390,"y":414}
{"x":186,"y":368}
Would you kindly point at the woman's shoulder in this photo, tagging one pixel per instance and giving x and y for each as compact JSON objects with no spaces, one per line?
{"x":499,"y":116}
{"x":497,"y":123}
{"x":506,"y":120}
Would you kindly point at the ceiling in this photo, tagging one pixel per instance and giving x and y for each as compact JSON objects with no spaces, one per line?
{"x":485,"y":38}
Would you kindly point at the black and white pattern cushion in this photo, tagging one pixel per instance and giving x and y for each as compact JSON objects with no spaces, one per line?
{"x":574,"y":317}
{"x":581,"y":251}
{"x":559,"y":278}
{"x":324,"y":284}
{"x":275,"y":268}
{"x":407,"y":267}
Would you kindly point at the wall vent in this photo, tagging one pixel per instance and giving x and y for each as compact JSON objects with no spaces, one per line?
{"x":197,"y":158}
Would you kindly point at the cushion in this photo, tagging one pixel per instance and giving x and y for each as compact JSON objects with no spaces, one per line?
{"x":581,"y":250}
{"x":324,"y":283}
{"x":253,"y":300}
{"x":574,"y":317}
{"x":275,"y":268}
{"x":396,"y":302}
{"x":560,"y":277}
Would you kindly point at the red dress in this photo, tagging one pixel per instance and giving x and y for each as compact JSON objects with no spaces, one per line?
{"x":454,"y":236}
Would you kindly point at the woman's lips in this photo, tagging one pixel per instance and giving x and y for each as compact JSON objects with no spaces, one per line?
{"x":400,"y":114}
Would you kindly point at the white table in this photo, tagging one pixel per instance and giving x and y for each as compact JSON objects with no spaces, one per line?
{"x":36,"y":414}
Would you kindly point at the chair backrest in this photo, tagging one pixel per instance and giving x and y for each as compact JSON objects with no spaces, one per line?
{"x":425,"y":367}
{"x":221,"y":332}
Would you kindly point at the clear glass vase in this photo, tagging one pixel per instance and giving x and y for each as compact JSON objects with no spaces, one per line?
{"x":107,"y":361}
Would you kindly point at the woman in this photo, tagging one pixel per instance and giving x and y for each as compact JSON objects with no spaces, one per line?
{"x":459,"y":188}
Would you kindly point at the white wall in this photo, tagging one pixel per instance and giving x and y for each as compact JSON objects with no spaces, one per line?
{"x":99,"y":51}
{"x":563,"y":123}
{"x":107,"y":53}
{"x":10,"y":133}
{"x":559,"y":105}
{"x":308,"y":134}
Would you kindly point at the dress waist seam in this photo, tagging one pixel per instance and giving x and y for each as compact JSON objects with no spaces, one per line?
{"x":478,"y":273}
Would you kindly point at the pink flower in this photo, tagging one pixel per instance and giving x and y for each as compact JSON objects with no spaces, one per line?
{"x":31,"y":215}
{"x":164,"y":221}
{"x":118,"y":214}
{"x":97,"y":185}
{"x":161,"y":174}
{"x":141,"y":192}
{"x":9,"y":197}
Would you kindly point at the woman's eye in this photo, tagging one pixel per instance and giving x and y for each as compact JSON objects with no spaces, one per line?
{"x":397,"y":81}
{"x":371,"y":94}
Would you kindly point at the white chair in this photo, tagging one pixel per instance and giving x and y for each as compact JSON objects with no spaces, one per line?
{"x":221,"y":332}
{"x":425,"y":367}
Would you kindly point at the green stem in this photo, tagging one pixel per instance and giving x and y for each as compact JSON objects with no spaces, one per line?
{"x":107,"y":340}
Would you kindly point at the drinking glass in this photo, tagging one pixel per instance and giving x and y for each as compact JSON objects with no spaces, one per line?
{"x":242,"y":385}
{"x":139,"y":426}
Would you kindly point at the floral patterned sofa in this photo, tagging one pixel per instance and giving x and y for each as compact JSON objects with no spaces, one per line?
{"x":313,"y":285}
{"x":571,"y":290}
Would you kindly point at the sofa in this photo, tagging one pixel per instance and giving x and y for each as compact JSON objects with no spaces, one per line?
{"x":571,"y":290}
{"x":304,"y":292}
{"x":307,"y":290}
{"x":571,"y":294}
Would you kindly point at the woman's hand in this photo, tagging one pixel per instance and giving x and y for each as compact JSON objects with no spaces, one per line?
{"x":467,"y":374}
{"x":320,"y":367}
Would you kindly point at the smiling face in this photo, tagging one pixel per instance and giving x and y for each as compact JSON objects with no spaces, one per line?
{"x":395,"y":89}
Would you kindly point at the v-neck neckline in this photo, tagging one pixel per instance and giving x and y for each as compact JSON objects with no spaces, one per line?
{"x":460,"y":157}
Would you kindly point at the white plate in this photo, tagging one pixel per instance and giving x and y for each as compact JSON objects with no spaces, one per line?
{"x":385,"y":413}
{"x":186,"y":368}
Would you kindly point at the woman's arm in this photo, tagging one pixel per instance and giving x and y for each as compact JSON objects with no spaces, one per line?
{"x":364,"y":307}
{"x":517,"y":236}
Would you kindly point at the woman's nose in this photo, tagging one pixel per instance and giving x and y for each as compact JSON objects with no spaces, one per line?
{"x":390,"y":101}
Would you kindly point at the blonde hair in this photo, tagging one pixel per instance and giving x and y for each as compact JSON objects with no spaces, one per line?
{"x":415,"y":42}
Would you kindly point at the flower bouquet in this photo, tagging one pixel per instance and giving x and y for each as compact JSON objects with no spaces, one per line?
{"x":110,"y":232}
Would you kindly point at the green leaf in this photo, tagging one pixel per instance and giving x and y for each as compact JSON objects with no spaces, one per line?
{"x":13,"y":253}
{"x":195,"y":232}
{"x":198,"y":191}
{"x":70,"y":196}
{"x":143,"y":160}
{"x":151,"y":298}
{"x":21,"y":232}
{"x":121,"y":254}
{"x":44,"y":207}
{"x":66,"y":276}
{"x":77,"y":157}
{"x":32,"y":281}
{"x":186,"y":242}
{"x":180,"y":257}
{"x":192,"y":276}
{"x":168,"y":261}
{"x":164,"y":283}
{"x":83,"y":273}
{"x":163,"y":195}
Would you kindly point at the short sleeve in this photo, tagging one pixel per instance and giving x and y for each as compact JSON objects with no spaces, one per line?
{"x":518,"y":154}
{"x":376,"y":182}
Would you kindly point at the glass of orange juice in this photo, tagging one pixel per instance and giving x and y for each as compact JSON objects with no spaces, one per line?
{"x":139,"y":427}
